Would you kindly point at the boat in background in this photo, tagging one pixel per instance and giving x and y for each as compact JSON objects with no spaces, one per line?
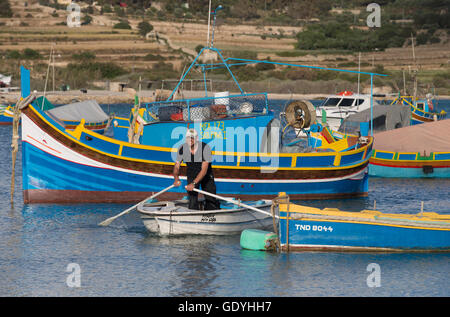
{"x":5,"y":118}
{"x":303,"y":228}
{"x":174,"y":217}
{"x":97,"y":168}
{"x":422,"y":110}
{"x":418,"y":151}
{"x":336,"y":108}
{"x":249,"y":161}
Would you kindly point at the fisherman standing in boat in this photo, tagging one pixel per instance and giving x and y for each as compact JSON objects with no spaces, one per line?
{"x":197,"y":156}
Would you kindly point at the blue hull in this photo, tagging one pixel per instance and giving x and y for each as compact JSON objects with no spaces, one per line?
{"x":352,"y":236}
{"x":44,"y":175}
{"x":5,"y":120}
{"x":408,"y":172}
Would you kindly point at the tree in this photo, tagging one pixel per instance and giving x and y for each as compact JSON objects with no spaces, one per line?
{"x":122,"y":25}
{"x":144,"y":28}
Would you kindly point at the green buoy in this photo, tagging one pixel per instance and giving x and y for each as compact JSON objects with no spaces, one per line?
{"x":254,"y":239}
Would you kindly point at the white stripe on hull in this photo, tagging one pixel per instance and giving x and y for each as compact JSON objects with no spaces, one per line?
{"x":32,"y":134}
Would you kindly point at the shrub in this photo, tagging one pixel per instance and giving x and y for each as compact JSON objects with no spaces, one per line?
{"x":97,"y":70}
{"x":5,"y":9}
{"x":14,"y":54}
{"x":144,"y":28}
{"x":84,"y":56}
{"x":152,"y":57}
{"x":198,"y":48}
{"x":122,"y":25}
{"x":29,"y":53}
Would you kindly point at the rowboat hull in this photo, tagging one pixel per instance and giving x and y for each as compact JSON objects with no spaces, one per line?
{"x":365,"y":231}
{"x":62,"y":166}
{"x":215,"y":222}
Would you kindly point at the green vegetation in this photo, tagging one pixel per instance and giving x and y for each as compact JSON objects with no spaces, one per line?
{"x":153,"y":57}
{"x":84,"y":56}
{"x":96,"y":70}
{"x":335,"y":35}
{"x":5,"y":9}
{"x":144,"y":28}
{"x":27,"y":54}
{"x":122,"y":25}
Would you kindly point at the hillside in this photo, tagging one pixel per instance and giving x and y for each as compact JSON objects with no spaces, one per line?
{"x":99,"y":51}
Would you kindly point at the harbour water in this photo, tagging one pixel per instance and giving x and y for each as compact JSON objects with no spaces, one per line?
{"x":43,"y":246}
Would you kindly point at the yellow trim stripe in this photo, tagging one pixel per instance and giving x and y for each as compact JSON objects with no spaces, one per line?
{"x":156,"y":148}
{"x":368,"y":223}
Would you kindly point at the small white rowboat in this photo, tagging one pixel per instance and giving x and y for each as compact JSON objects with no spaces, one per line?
{"x":174,"y":217}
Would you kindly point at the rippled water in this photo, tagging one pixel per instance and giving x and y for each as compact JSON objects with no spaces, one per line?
{"x":38,"y":242}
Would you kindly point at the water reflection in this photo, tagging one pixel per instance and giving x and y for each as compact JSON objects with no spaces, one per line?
{"x":194,"y":261}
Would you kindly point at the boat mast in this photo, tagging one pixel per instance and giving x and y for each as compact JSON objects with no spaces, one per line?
{"x":414,"y":70}
{"x":209,"y":19}
{"x":359,"y":69}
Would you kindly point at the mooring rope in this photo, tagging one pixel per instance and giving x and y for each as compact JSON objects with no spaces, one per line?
{"x":15,"y":137}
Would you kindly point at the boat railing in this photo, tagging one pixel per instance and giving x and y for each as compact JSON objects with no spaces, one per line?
{"x":209,"y":108}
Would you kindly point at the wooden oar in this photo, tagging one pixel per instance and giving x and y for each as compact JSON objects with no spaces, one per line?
{"x":234,"y":202}
{"x":109,"y":220}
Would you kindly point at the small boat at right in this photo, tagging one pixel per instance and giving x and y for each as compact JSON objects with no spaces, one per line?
{"x":305,"y":228}
{"x":417,"y":151}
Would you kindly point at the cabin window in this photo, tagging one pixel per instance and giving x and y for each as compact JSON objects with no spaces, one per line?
{"x":420,"y":106}
{"x":359,"y":102}
{"x":346,"y":102}
{"x":331,"y":102}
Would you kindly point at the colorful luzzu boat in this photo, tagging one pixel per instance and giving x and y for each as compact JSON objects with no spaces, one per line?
{"x":308,"y":228}
{"x":303,"y":228}
{"x":421,"y":109}
{"x":61,"y":165}
{"x":5,"y":115}
{"x":419,"y":151}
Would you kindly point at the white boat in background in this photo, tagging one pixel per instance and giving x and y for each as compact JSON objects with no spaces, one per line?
{"x":339,"y":107}
{"x":174,"y":217}
{"x":5,"y":81}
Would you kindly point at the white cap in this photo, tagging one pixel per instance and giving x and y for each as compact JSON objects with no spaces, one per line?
{"x":191,"y":133}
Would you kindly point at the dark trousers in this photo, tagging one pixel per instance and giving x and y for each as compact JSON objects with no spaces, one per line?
{"x":208,"y":185}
